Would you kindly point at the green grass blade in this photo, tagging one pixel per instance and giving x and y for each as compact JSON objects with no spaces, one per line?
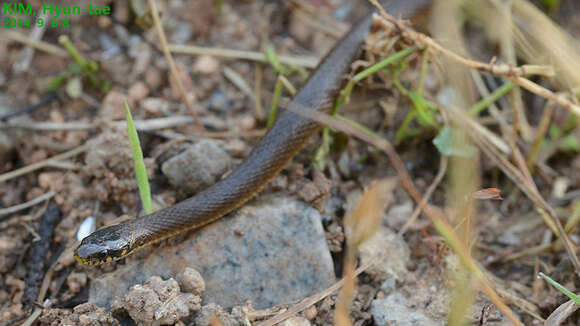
{"x":140,"y":170}
{"x":560,"y":288}
{"x":496,"y":95}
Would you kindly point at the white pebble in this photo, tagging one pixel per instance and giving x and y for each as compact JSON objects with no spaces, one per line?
{"x":87,"y":227}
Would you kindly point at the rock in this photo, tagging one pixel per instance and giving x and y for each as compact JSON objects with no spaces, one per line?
{"x":138,"y":91}
{"x":208,"y":315}
{"x":398,"y":214}
{"x":153,"y":78}
{"x":295,"y":321}
{"x":155,"y":105}
{"x":394,"y":310}
{"x":219,"y":101}
{"x":270,"y":252}
{"x":236,"y":148}
{"x":197,"y":167}
{"x":191,"y":281}
{"x":206,"y":65}
{"x":311,"y":312}
{"x":113,"y":107}
{"x":157,"y":302}
{"x":86,"y":314}
{"x":390,"y":251}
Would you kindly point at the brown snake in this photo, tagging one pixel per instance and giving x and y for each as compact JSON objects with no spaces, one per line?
{"x":282,"y":142}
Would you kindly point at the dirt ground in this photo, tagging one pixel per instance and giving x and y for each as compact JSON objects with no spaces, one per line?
{"x":511,"y":240}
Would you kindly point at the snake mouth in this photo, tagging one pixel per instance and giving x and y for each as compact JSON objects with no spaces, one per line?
{"x":104,"y":246}
{"x":98,"y":258}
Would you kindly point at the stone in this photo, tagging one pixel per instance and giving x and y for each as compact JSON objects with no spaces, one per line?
{"x":206,"y":65}
{"x":394,"y":310}
{"x":113,"y":107}
{"x":138,"y":91}
{"x":153,"y":78}
{"x":157,"y":302}
{"x":271,"y":251}
{"x":295,"y":321}
{"x":191,"y":281}
{"x":219,"y":101}
{"x":213,"y":314}
{"x":197,"y":167}
{"x":155,"y":106}
{"x":390,"y":252}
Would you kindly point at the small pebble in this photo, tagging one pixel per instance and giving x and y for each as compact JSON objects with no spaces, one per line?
{"x":197,"y":167}
{"x":113,"y":108}
{"x":247,"y":122}
{"x":153,"y":78}
{"x":236,"y":147}
{"x":87,"y":227}
{"x":138,"y":91}
{"x":191,"y":281}
{"x":212,"y":314}
{"x":219,"y":101}
{"x":155,"y":105}
{"x":295,"y":321}
{"x":310,"y":313}
{"x":206,"y":65}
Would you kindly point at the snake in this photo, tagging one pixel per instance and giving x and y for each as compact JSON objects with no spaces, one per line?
{"x":276,"y":148}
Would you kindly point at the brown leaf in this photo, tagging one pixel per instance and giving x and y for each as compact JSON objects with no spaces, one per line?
{"x":487,"y":194}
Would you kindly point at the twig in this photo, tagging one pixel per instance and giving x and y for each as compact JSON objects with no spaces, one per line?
{"x":23,"y":62}
{"x":40,"y":45}
{"x":30,"y":203}
{"x":238,"y":81}
{"x":546,"y":93}
{"x":38,"y":165}
{"x":428,"y":193}
{"x":40,"y":249}
{"x":309,"y":301}
{"x":507,"y":71}
{"x":18,"y":221}
{"x":33,"y":317}
{"x":172,"y":67}
{"x":540,"y":135}
{"x":141,"y":125}
{"x":307,"y":62}
{"x":47,"y":99}
{"x":522,"y":182}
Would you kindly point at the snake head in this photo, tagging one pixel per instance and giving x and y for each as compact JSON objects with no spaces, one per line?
{"x":104,"y":245}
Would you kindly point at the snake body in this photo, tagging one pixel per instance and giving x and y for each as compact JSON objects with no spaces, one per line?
{"x":282,"y":142}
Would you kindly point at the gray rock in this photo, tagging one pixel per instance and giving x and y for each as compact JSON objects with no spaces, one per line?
{"x":219,"y":101}
{"x":197,"y":167}
{"x":205,"y":317}
{"x":270,"y":252}
{"x":394,"y":310}
{"x":390,"y":252}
